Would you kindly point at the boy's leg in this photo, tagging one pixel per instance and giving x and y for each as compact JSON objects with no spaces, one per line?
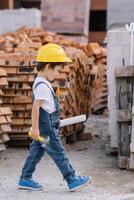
{"x":35,"y":154}
{"x":57,"y":152}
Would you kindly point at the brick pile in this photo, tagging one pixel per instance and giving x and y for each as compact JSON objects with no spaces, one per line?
{"x":5,"y":113}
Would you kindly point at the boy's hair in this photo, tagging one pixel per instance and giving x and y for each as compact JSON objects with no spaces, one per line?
{"x":42,"y":65}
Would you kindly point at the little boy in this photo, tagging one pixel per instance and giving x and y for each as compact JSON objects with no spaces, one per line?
{"x":46,"y":121}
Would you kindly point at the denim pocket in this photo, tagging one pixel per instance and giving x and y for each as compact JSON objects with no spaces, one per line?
{"x":45,"y":129}
{"x":55,"y":120}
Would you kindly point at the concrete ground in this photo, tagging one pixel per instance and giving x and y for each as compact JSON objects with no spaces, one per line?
{"x":87,"y":157}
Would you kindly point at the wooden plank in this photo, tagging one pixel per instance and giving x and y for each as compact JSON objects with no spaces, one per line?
{"x":122,"y":162}
{"x":10,"y":69}
{"x":2,"y":73}
{"x":5,"y":111}
{"x":4,"y":137}
{"x":3,"y":81}
{"x":124,"y":116}
{"x":6,"y":128}
{"x":18,"y":121}
{"x":123,"y":127}
{"x":124,"y":71}
{"x":2,"y":147}
{"x":8,"y":118}
{"x":131,"y":163}
{"x":3,"y":120}
{"x":18,"y":78}
{"x":21,"y":99}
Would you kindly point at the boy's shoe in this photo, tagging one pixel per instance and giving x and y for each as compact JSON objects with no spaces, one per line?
{"x":29,"y":185}
{"x":78,"y":182}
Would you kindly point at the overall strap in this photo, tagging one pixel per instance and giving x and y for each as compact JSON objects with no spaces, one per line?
{"x":41,"y":82}
{"x":54,"y":96}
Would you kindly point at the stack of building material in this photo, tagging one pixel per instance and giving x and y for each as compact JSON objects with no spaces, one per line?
{"x":28,"y":40}
{"x":5,"y":113}
{"x":99,"y":87}
{"x":17,"y":95}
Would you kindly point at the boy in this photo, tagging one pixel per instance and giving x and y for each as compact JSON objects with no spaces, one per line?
{"x":46,"y":121}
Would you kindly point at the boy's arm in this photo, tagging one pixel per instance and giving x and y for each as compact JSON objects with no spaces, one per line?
{"x":35,"y":119}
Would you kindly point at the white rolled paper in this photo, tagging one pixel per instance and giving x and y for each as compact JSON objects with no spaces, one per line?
{"x":73,"y":120}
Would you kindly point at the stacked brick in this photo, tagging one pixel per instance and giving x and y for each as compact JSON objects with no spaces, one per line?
{"x":28,"y":40}
{"x":99,"y":87}
{"x":5,"y":113}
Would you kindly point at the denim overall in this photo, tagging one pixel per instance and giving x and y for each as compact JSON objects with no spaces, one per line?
{"x":48,"y":126}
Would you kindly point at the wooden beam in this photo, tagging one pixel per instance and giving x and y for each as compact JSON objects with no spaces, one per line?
{"x":131,"y":164}
{"x":124,"y":115}
{"x":123,"y":127}
{"x":124,"y":71}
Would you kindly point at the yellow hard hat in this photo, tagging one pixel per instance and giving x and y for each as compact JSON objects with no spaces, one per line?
{"x":52,"y":53}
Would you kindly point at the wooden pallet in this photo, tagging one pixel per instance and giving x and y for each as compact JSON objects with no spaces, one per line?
{"x":125,"y":107}
{"x":5,"y":113}
{"x":99,"y":88}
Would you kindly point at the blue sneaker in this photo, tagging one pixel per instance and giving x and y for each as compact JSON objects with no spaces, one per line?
{"x":78,"y":182}
{"x":29,"y":185}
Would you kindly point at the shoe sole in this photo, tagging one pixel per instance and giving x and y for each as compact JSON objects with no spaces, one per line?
{"x":28,"y":188}
{"x":81,"y":186}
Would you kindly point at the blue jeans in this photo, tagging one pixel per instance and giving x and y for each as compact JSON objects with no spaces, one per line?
{"x":55,"y":149}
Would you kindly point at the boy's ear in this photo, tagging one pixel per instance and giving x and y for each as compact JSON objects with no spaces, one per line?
{"x":46,"y":67}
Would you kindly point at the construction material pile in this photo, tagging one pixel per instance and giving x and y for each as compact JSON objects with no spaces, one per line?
{"x":76,"y":81}
{"x":5,"y":113}
{"x":28,"y":40}
{"x":99,"y":89}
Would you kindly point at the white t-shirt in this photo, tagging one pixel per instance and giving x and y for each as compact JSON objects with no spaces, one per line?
{"x":43,"y":92}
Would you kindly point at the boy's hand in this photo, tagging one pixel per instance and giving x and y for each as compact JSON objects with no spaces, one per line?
{"x":35,"y":134}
